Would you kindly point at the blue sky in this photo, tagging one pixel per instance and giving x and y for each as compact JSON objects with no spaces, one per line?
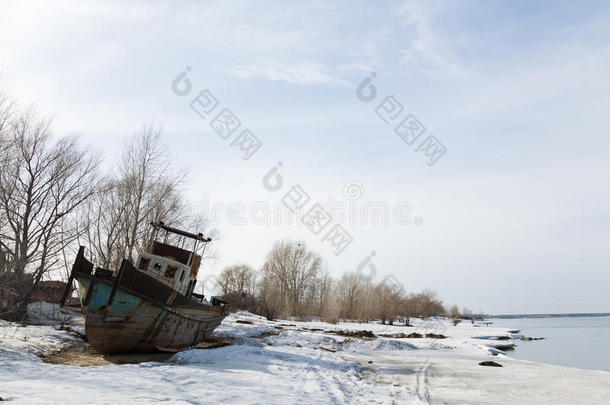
{"x":515,"y":214}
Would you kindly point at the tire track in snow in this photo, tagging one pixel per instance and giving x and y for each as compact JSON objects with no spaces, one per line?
{"x":424,"y":372}
{"x":422,"y":383}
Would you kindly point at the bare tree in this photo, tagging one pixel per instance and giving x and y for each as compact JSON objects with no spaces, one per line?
{"x":322,"y":292}
{"x":6,"y":111}
{"x":151,"y":185}
{"x":42,"y":185}
{"x":237,"y":285}
{"x":427,"y":304}
{"x":146,"y":187}
{"x":269,"y":297}
{"x":367,"y":302}
{"x":454,"y":312}
{"x":390,"y":297}
{"x":358,"y":297}
{"x":408,"y":308}
{"x":104,"y":224}
{"x":293,"y":269}
{"x":350,"y":289}
{"x":238,"y":279}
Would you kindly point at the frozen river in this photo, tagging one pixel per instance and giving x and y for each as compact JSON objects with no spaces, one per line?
{"x":581,"y":342}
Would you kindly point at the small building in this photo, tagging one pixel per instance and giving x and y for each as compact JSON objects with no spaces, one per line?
{"x":16,"y":288}
{"x":50,"y":291}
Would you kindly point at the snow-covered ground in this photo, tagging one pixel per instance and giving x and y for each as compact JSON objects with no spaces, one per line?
{"x":298,"y":362}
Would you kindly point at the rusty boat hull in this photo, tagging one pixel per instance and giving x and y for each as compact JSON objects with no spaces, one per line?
{"x":134,"y":313}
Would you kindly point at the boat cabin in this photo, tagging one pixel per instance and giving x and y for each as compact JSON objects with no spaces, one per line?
{"x":175,"y":260}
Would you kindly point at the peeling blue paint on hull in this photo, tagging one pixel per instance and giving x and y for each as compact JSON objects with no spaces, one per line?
{"x":137,"y":324}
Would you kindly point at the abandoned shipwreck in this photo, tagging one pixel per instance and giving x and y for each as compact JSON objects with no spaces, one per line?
{"x":151,"y":306}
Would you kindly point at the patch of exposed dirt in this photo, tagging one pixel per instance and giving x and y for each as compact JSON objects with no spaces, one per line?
{"x":213,"y":341}
{"x":401,"y":335}
{"x":78,"y":354}
{"x":361,"y":334}
{"x":267,"y":334}
{"x":435,"y":336}
{"x":413,"y":335}
{"x":82,"y":354}
{"x":312,"y":330}
{"x":353,"y":333}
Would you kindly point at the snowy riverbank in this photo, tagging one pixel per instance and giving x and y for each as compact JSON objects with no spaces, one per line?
{"x":300,"y":362}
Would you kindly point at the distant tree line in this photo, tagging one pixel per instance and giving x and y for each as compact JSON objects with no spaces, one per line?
{"x":294,"y":282}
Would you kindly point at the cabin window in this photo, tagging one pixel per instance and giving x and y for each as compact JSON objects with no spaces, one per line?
{"x":170,"y":272}
{"x":192,"y":287}
{"x":182,"y":276}
{"x":143,"y":263}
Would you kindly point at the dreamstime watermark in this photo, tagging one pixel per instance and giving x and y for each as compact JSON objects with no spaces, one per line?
{"x":225,"y":125}
{"x":407,"y":127}
{"x":353,"y":211}
{"x":315,"y":217}
{"x":367,"y":269}
{"x":325,"y":220}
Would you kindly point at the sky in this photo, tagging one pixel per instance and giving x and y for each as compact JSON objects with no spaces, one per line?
{"x":513,"y":217}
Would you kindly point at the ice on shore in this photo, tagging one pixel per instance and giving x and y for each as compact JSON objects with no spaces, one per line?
{"x":290,"y":362}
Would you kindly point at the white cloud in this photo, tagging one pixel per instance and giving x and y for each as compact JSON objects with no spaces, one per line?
{"x":307,"y":73}
{"x":429,"y":47}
